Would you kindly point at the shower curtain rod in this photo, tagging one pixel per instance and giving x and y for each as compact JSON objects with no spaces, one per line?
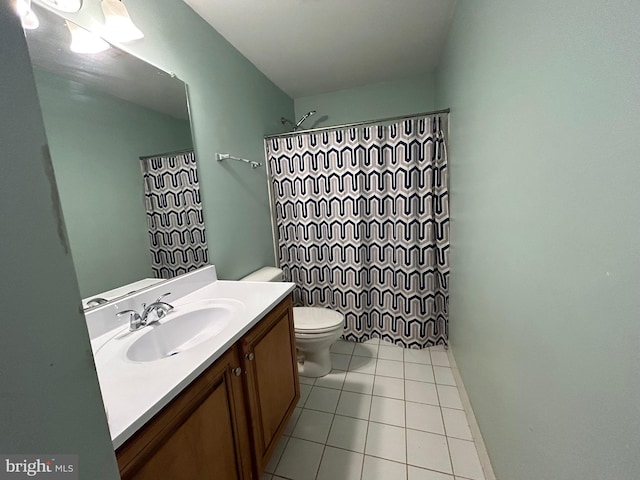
{"x":357,"y":124}
{"x":166,"y":154}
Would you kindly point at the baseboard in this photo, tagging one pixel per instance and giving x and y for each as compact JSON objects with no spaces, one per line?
{"x":485,"y":462}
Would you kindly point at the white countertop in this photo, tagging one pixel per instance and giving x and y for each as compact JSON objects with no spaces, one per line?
{"x":134,"y":392}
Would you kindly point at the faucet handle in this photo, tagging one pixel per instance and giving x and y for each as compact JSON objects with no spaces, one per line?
{"x":158,"y":300}
{"x":163,"y":307}
{"x":162,"y":296}
{"x":135,"y":321}
{"x":96,"y":301}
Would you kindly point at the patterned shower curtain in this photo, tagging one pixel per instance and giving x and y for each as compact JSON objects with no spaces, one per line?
{"x":174,"y":214}
{"x":362,"y":219}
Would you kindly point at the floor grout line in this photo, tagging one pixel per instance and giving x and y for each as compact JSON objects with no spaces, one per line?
{"x":324,"y":449}
{"x":406,"y":439}
{"x":366,"y":437}
{"x":378,"y":423}
{"x":370,"y":397}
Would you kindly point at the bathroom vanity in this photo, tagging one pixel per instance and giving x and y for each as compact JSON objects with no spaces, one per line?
{"x":206,"y":391}
{"x":215,"y":409}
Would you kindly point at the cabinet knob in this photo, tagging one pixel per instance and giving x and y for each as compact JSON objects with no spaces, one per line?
{"x":237,"y":371}
{"x":249,"y":356}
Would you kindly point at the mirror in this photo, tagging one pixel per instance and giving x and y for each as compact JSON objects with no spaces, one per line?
{"x":102,"y":112}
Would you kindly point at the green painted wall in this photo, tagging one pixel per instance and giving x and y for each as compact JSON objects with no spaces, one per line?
{"x":49,"y":390}
{"x":545,"y":232}
{"x":95,"y":141}
{"x":378,"y":100}
{"x":49,"y":396}
{"x":232,"y":106}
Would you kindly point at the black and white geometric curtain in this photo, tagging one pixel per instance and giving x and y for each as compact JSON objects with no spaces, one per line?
{"x":174,"y":214}
{"x":362,"y":218}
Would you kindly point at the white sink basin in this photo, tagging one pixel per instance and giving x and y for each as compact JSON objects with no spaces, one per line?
{"x":181,"y":330}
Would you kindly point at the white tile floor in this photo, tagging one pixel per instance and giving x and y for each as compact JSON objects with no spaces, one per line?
{"x":383,"y":413}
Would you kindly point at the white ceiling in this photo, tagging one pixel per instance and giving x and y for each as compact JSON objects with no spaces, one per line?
{"x":308,"y":47}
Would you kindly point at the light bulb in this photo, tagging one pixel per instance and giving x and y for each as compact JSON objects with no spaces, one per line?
{"x":84,"y":41}
{"x":27,"y":16}
{"x":118,"y":24}
{"x":30,"y":21}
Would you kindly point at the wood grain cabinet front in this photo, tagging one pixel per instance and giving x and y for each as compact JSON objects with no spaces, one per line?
{"x":273,"y":390}
{"x":225,"y":425}
{"x":201,"y":434}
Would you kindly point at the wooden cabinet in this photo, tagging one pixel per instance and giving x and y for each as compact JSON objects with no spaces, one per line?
{"x":201,"y":434}
{"x":270,"y":363}
{"x":225,"y":425}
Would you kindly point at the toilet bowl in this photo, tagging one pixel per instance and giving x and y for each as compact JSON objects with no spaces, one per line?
{"x":316,"y":329}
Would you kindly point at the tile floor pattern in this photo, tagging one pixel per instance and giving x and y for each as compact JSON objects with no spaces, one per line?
{"x":383,"y":413}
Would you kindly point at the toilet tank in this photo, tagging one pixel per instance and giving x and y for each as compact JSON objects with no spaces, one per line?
{"x":265,"y":274}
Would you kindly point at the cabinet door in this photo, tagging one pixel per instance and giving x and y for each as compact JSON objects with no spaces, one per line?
{"x":270,"y":362}
{"x":201,"y":435}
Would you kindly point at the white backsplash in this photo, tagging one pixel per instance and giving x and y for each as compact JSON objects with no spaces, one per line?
{"x":104,"y":318}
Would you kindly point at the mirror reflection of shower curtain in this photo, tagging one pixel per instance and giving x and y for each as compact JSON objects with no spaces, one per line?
{"x":174,"y":214}
{"x":362,"y":220}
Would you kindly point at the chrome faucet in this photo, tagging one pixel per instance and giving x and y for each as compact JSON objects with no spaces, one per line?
{"x":159,"y":307}
{"x":96,"y":301}
{"x":137,"y":321}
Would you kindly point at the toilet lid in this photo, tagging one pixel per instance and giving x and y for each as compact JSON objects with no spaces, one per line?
{"x":315,"y":319}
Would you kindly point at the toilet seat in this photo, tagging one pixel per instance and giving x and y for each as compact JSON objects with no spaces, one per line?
{"x":316,"y":320}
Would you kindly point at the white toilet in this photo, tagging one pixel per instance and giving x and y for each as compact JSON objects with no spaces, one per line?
{"x":316,"y":329}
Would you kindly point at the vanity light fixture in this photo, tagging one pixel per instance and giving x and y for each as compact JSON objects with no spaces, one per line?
{"x":118,"y":24}
{"x":27,"y":16}
{"x":84,"y":41}
{"x":70,"y":6}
